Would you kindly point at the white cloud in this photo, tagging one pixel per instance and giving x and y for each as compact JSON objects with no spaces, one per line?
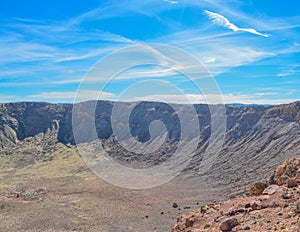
{"x":171,"y":1}
{"x":221,"y":20}
{"x":221,"y":51}
{"x":90,"y":54}
{"x":210,"y":60}
{"x":71,"y":96}
{"x":8,"y":98}
{"x":259,"y":98}
{"x":289,"y":72}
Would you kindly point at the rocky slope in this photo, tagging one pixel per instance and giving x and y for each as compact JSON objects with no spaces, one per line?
{"x":273,"y":206}
{"x":26,"y":119}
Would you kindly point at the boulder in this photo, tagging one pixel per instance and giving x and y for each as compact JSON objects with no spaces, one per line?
{"x":291,"y":183}
{"x":258,"y":188}
{"x":270,"y":190}
{"x":229,"y":224}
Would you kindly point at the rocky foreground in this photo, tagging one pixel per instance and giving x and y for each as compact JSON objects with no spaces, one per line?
{"x":272,"y":205}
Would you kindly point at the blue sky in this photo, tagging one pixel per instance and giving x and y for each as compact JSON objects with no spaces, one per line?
{"x":251,"y":48}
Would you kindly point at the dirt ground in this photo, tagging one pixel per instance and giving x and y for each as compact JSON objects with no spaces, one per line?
{"x":67,"y":196}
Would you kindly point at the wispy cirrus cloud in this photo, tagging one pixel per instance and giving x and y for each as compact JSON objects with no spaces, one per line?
{"x":8,"y":98}
{"x":290,"y":71}
{"x":56,"y":53}
{"x":171,"y":1}
{"x":71,"y":96}
{"x":222,"y":21}
{"x":259,"y":98}
{"x":59,"y":51}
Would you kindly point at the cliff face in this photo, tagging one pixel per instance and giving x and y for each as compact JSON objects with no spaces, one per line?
{"x":257,"y":138}
{"x":21,"y":120}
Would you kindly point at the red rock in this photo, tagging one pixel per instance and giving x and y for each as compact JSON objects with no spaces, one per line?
{"x":270,"y":190}
{"x":228,"y":225}
{"x":298,"y":207}
{"x":280,"y":170}
{"x":276,"y":209}
{"x":264,"y":197}
{"x":257,"y":188}
{"x":255,"y":205}
{"x":291,"y":183}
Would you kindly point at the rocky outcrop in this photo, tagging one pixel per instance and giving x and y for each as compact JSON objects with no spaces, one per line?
{"x":286,"y":173}
{"x":277,"y":208}
{"x":22,"y":120}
